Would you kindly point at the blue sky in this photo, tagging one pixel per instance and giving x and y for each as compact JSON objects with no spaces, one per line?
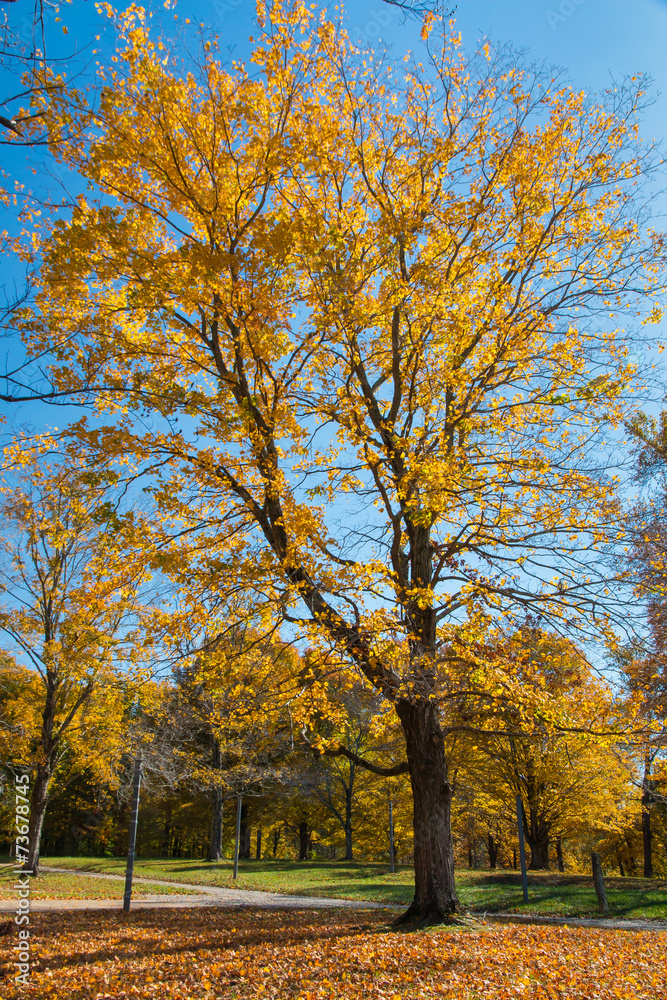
{"x":592,"y":40}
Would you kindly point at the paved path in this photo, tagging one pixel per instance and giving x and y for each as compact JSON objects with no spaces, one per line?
{"x":217,"y":896}
{"x":201,"y":895}
{"x":607,"y":924}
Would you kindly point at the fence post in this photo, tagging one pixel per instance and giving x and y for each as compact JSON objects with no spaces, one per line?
{"x":522,"y":848}
{"x":391,"y":835}
{"x":132,"y":839}
{"x":238,"y":835}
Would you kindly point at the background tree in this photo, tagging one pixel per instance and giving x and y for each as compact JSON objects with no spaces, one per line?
{"x":224,"y":717}
{"x":643,"y":663}
{"x":382,"y":298}
{"x":70,"y":604}
{"x":568,"y":778}
{"x":351,"y":728}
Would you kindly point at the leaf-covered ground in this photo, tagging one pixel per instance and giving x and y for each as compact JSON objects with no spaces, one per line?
{"x":498,"y":891}
{"x":214,"y":954}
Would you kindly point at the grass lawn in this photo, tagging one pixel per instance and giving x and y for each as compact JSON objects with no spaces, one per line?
{"x":480,"y":891}
{"x":50,"y":885}
{"x":336,"y":955}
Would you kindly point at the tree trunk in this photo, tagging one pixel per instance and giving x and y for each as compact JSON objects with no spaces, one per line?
{"x":493,"y":851}
{"x":244,"y":837}
{"x":537,"y":835}
{"x":348,"y":823}
{"x":39,"y":798}
{"x":435,"y":897}
{"x":514,"y":859}
{"x":215,"y":842}
{"x":258,"y":853}
{"x":647,"y":833}
{"x":166,"y":834}
{"x":39,"y":795}
{"x":276,"y":840}
{"x":559,"y":854}
{"x":304,"y":840}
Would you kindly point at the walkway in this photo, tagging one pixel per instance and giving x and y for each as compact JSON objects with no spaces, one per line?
{"x":217,"y":896}
{"x":199,"y":895}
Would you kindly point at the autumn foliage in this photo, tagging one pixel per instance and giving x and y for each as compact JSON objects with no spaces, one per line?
{"x":357,"y":323}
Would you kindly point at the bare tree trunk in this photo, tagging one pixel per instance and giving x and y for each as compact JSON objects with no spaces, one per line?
{"x":258,"y":852}
{"x":647,"y":833}
{"x":304,"y":840}
{"x":537,"y":835}
{"x":621,"y":869}
{"x":39,"y":798}
{"x":244,"y":840}
{"x":276,"y":840}
{"x":435,"y":897}
{"x":493,"y":850}
{"x":215,"y":842}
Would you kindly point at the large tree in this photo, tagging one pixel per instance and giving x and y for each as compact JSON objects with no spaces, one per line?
{"x":378,"y":298}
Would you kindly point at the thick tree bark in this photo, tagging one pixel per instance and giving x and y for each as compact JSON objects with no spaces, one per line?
{"x":304,"y":840}
{"x":215,"y":842}
{"x":435,"y":897}
{"x":647,"y":833}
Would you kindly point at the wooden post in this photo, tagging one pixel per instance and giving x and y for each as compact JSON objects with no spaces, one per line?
{"x":132,"y":839}
{"x":391,"y":835}
{"x":238,"y":835}
{"x":598,"y":882}
{"x":522,"y":848}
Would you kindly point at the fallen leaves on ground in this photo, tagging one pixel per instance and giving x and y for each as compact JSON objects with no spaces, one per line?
{"x":217,"y":954}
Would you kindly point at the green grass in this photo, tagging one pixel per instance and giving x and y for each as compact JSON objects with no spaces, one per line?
{"x":481,"y":891}
{"x":51,"y":885}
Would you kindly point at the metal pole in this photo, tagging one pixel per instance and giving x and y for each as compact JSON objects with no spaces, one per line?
{"x":238,"y":835}
{"x":132,"y":839}
{"x":522,"y":847}
{"x":391,"y":835}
